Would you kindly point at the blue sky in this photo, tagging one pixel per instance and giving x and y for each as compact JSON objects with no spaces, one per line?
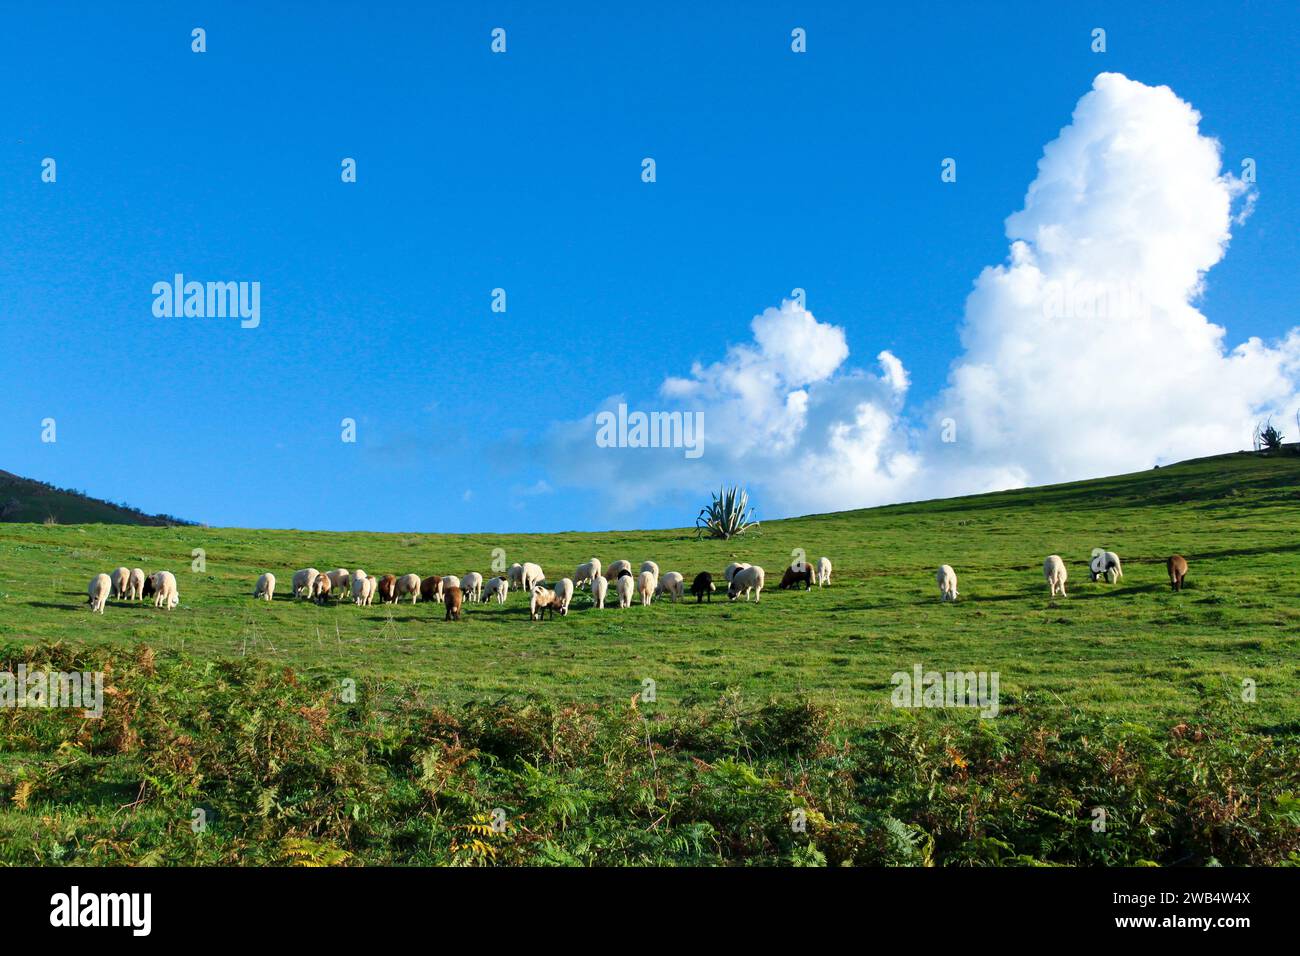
{"x":522,"y":171}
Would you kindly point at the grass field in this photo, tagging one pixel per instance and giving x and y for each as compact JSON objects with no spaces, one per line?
{"x":1134,"y":650}
{"x":1125,"y":698}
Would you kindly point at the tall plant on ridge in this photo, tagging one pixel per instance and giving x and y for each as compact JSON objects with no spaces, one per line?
{"x":727,"y":515}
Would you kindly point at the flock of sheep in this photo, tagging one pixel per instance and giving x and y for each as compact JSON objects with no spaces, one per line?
{"x":1104,"y":565}
{"x":452,"y":591}
{"x":132,"y":584}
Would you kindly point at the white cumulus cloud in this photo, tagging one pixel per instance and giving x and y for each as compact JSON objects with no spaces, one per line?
{"x":1084,"y":353}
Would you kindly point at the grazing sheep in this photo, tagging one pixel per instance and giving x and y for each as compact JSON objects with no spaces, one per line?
{"x":1054,"y":571}
{"x":747,"y":579}
{"x":703,"y":587}
{"x":651,"y":567}
{"x":361,"y":586}
{"x":947,"y":580}
{"x":472,"y":586}
{"x":498,"y":588}
{"x":135,"y":588}
{"x":303,"y":581}
{"x":793,"y":578}
{"x":450,"y":581}
{"x":451,"y":597}
{"x":321,"y":585}
{"x":732,"y":568}
{"x":599,"y":588}
{"x":340,"y":582}
{"x":388,"y":589}
{"x":1105,"y":564}
{"x":265,"y":587}
{"x":531,"y":576}
{"x":646,"y":585}
{"x":1177,"y":566}
{"x":120,"y":580}
{"x":431,"y":588}
{"x":410,"y":584}
{"x":672,"y":584}
{"x":97,"y":592}
{"x":372,"y":585}
{"x":823,"y":571}
{"x":515,"y":576}
{"x":542,"y":601}
{"x":564,"y":594}
{"x":626,"y":587}
{"x":165,"y":592}
{"x":586,"y":573}
{"x":147,"y":591}
{"x":612,"y":572}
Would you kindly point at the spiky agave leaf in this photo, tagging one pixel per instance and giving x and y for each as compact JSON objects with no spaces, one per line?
{"x":727,"y":515}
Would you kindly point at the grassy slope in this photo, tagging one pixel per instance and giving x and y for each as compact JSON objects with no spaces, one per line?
{"x":1135,"y":651}
{"x":37,"y":501}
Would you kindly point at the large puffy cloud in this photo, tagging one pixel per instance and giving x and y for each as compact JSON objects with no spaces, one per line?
{"x":1084,"y":353}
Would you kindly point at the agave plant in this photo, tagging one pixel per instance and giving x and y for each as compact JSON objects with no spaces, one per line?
{"x":1267,"y":438}
{"x":727,"y":515}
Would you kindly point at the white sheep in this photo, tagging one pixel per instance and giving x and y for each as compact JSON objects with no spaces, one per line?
{"x":646,"y":584}
{"x":165,"y":591}
{"x":98,"y":591}
{"x":120,"y":580}
{"x":823,"y":571}
{"x":515,"y":575}
{"x":585,"y":573}
{"x":564,"y":594}
{"x":672,"y":584}
{"x":947,"y":580}
{"x":625,"y":588}
{"x":747,"y":579}
{"x":304,"y":582}
{"x":135,"y":590}
{"x":265,"y":588}
{"x":471,"y":585}
{"x":1054,"y":571}
{"x":531,"y":576}
{"x":651,"y":567}
{"x":340,"y":581}
{"x":732,"y":568}
{"x":498,"y":588}
{"x":372,"y":585}
{"x":1105,"y":564}
{"x":615,"y":567}
{"x":361,"y":586}
{"x":599,"y":587}
{"x":410,"y":584}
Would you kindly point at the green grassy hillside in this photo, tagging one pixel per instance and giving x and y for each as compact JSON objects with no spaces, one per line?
{"x":771,"y":738}
{"x":1134,"y":650}
{"x":25,"y":500}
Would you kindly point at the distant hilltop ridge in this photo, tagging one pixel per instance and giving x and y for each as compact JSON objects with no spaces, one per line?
{"x":24,"y":499}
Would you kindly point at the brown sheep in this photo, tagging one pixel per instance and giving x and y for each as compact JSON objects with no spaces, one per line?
{"x":431,"y":588}
{"x":1177,"y":571}
{"x":388,"y":589}
{"x":791,"y":578}
{"x":451,"y":598}
{"x":542,"y":601}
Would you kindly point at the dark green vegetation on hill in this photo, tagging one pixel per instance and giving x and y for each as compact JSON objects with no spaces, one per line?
{"x":1127,"y":697}
{"x":22,"y":499}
